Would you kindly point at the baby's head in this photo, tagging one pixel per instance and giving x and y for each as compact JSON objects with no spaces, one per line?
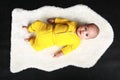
{"x":87,"y":31}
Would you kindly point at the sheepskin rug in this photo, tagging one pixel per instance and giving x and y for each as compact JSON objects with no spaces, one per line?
{"x":22,"y":55}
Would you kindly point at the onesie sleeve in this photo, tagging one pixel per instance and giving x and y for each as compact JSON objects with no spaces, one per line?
{"x":66,"y":21}
{"x":61,"y":20}
{"x":68,"y":48}
{"x":36,"y":26}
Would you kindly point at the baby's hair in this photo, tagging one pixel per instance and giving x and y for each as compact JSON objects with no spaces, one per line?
{"x":97,"y":28}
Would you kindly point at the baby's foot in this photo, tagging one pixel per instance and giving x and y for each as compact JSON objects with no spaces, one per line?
{"x":25,"y":28}
{"x":27,"y":39}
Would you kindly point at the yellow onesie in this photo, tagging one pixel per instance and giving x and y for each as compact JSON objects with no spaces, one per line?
{"x":61,"y":34}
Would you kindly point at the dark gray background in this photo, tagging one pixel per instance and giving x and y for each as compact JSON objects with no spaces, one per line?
{"x":107,"y":68}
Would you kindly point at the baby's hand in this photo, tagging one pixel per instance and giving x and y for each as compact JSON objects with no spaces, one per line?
{"x":51,"y":20}
{"x":58,"y":54}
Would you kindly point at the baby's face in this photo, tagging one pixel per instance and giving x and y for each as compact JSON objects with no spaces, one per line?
{"x":87,"y":31}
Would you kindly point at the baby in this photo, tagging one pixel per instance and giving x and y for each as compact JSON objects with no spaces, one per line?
{"x":60,"y":32}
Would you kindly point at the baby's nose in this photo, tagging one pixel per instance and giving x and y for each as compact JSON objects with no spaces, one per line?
{"x":83,"y":32}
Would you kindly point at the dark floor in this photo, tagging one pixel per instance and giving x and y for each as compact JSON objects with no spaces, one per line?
{"x":107,"y":68}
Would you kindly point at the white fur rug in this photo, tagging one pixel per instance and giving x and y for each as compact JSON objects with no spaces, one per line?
{"x":85,"y":56}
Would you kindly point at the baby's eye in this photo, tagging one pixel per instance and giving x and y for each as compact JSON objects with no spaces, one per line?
{"x":87,"y":35}
{"x":85,"y":28}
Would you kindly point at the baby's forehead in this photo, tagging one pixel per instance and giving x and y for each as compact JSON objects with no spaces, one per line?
{"x":93,"y":30}
{"x":92,"y":27}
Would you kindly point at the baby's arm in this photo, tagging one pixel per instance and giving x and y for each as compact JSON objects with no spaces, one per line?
{"x":57,"y":20}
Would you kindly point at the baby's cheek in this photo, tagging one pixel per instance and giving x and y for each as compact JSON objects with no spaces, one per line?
{"x":84,"y":36}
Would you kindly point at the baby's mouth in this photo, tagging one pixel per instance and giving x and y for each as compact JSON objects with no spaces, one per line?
{"x":80,"y":32}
